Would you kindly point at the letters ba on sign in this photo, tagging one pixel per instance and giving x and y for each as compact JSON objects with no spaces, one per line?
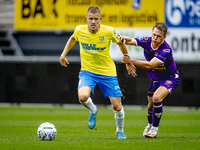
{"x":66,"y":15}
{"x":182,"y":13}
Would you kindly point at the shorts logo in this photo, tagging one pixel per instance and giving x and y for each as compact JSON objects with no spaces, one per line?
{"x":168,"y":83}
{"x":176,"y":76}
{"x":117,"y":87}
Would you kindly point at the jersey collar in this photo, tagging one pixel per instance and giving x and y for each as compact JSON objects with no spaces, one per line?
{"x":156,"y":48}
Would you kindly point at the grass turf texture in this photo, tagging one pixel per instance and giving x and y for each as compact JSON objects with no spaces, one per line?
{"x":18,"y":129}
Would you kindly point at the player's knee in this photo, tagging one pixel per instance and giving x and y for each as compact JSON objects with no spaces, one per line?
{"x":156,"y":98}
{"x":117,"y":107}
{"x":83,"y":98}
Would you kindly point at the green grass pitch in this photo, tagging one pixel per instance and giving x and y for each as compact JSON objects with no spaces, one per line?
{"x":179,"y":129}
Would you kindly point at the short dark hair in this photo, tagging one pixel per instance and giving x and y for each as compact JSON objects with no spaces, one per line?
{"x":161,"y":26}
{"x":93,"y":9}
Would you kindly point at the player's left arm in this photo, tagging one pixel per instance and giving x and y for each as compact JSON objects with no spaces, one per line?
{"x":142,"y":64}
{"x":129,"y":66}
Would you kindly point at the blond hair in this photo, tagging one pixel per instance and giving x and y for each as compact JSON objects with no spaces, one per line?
{"x":93,"y":9}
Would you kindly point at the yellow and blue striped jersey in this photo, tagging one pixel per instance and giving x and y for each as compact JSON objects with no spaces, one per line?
{"x":94,"y":49}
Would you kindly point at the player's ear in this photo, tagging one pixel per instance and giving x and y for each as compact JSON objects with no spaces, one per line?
{"x":85,"y":18}
{"x":165,"y":36}
{"x":100,"y":19}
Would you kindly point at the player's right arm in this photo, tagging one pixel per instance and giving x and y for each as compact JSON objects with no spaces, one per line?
{"x":128,"y":40}
{"x":129,"y":66}
{"x":68,"y":46}
{"x":142,"y":64}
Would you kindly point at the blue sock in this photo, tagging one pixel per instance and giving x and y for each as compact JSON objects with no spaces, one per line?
{"x":157,"y":113}
{"x":149,"y":116}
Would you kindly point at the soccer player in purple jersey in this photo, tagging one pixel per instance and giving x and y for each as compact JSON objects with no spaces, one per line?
{"x":162,"y":71}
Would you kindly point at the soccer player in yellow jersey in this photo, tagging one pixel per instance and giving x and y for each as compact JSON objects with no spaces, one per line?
{"x":97,"y":67}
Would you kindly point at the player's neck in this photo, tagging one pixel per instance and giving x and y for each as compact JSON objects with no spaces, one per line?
{"x":156,"y":46}
{"x":94,"y":31}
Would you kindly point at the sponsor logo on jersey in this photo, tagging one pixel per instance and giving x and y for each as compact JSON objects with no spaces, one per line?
{"x":87,"y":46}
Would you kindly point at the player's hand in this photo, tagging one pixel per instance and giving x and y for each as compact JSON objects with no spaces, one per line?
{"x":121,"y":38}
{"x":131,"y":69}
{"x":126,"y":59}
{"x":63,"y":61}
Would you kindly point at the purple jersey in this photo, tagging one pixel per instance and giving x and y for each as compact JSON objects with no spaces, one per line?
{"x":164,"y":53}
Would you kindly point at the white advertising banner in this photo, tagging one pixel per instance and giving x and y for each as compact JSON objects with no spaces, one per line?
{"x":185,"y":43}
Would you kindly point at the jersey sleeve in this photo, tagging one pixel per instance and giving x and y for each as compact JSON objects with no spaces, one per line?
{"x":163,"y":54}
{"x":76,"y":32}
{"x":142,"y":41}
{"x":114,"y":35}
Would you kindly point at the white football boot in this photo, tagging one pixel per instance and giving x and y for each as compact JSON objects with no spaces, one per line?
{"x":152,"y":133}
{"x":146,"y":130}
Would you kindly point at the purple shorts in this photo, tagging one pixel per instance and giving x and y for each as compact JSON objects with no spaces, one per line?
{"x":170,"y":84}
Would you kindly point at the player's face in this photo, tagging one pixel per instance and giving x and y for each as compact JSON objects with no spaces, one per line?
{"x":93,"y":20}
{"x":157,"y":37}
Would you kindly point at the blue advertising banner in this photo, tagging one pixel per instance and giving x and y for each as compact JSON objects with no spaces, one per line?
{"x":182,"y":13}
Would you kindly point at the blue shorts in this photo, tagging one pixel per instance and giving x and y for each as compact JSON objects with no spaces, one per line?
{"x":170,"y":84}
{"x":108,"y":84}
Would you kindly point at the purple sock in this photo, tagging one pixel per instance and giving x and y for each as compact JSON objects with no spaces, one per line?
{"x":157,"y":113}
{"x":149,"y":116}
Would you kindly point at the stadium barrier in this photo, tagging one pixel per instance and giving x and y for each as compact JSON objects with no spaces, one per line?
{"x":49,"y":82}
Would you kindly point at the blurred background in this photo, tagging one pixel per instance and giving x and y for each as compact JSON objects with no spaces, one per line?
{"x":33,"y":34}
